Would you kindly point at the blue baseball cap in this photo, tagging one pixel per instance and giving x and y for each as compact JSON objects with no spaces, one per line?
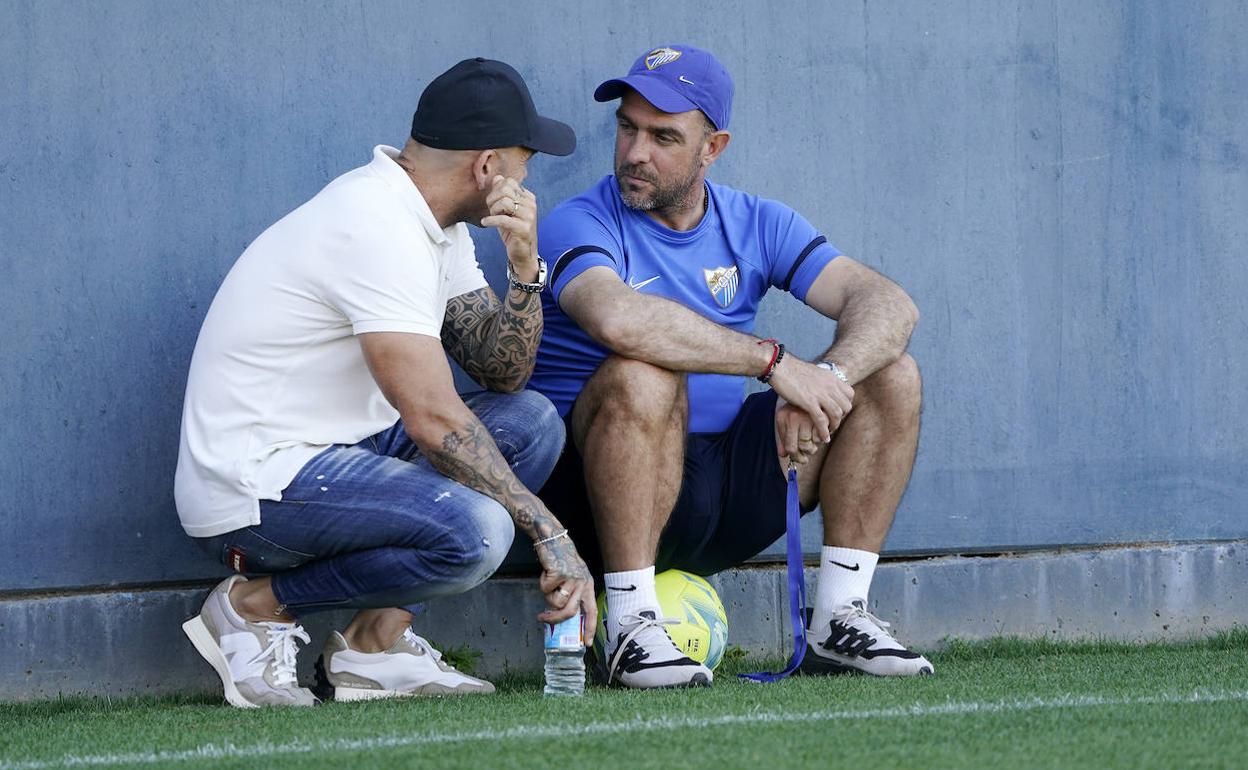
{"x":677,"y":78}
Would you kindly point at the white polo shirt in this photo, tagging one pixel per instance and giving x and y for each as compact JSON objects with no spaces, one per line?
{"x":277,"y":374}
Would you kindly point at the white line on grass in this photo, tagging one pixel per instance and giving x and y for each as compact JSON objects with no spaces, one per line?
{"x":230,"y":751}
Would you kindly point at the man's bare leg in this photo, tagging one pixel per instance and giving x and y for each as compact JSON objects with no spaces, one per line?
{"x":629,"y":424}
{"x":369,"y":631}
{"x":860,"y":478}
{"x":377,"y":630}
{"x":255,"y":601}
{"x":863,"y":473}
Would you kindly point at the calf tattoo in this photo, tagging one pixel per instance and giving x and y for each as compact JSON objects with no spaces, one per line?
{"x":495,"y":343}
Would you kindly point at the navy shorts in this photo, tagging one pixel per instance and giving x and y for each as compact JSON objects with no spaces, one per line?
{"x":730,"y":506}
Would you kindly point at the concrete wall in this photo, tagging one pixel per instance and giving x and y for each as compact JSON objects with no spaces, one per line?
{"x":1130,"y":594}
{"x":1060,"y":184}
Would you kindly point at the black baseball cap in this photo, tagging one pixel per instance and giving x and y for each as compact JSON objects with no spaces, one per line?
{"x":482,"y":104}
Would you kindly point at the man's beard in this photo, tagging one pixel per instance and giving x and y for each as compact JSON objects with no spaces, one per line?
{"x":663,"y":197}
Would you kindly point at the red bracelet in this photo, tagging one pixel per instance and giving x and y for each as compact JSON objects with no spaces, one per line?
{"x":777,"y":355}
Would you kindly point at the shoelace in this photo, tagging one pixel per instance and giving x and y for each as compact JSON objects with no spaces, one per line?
{"x":859,"y":613}
{"x":642,"y":624}
{"x":423,"y":643}
{"x":283,"y":650}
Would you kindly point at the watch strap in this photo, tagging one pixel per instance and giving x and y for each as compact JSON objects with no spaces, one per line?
{"x":832,"y":367}
{"x":530,"y":288}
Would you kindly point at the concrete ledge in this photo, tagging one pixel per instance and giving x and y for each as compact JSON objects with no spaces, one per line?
{"x":131,"y":642}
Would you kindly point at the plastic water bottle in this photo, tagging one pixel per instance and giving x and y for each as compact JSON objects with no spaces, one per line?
{"x":564,"y":643}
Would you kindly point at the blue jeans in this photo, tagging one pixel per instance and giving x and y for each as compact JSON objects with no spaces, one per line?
{"x":373,"y":524}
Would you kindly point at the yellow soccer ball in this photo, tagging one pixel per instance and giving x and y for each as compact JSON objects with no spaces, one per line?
{"x":702,"y":633}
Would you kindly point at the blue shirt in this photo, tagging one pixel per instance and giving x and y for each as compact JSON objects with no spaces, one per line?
{"x":721,"y":269}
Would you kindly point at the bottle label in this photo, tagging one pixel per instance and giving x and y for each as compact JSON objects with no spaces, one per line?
{"x":565,"y":635}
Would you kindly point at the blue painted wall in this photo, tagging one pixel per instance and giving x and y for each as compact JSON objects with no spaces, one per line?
{"x":1061,"y":185}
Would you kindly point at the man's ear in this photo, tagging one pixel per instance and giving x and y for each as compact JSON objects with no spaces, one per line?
{"x":716,"y":143}
{"x":484,"y":168}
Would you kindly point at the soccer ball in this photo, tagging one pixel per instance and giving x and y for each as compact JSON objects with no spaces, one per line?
{"x":702,"y":633}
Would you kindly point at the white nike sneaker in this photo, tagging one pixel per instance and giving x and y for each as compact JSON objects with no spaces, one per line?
{"x":256,"y":661}
{"x":855,"y":641}
{"x":644,"y":656}
{"x":409,"y":667}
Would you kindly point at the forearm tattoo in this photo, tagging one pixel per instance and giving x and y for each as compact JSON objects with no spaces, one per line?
{"x":470,"y":456}
{"x":495,"y":343}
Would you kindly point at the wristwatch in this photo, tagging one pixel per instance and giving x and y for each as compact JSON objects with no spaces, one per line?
{"x":832,"y":367}
{"x":531,"y":288}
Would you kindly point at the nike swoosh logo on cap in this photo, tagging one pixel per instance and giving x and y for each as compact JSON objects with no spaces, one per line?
{"x":643,"y":283}
{"x":684,"y":79}
{"x":845,"y":566}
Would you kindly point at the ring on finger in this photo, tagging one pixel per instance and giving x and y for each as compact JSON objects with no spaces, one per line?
{"x":565,"y":593}
{"x":515,"y":207}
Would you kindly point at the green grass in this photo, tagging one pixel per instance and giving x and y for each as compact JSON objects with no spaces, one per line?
{"x":1004,"y":703}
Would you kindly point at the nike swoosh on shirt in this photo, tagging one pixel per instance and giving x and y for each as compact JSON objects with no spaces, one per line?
{"x":845,"y":566}
{"x":643,"y":283}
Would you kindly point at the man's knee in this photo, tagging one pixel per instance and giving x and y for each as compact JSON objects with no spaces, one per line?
{"x":475,"y":547}
{"x":898,"y":385}
{"x":532,"y":430}
{"x":635,"y":391}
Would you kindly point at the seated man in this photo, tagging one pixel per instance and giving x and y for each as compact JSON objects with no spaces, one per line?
{"x":655,"y":282}
{"x":323,"y":442}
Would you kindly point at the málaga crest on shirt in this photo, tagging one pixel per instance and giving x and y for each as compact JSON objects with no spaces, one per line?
{"x":722,"y":281}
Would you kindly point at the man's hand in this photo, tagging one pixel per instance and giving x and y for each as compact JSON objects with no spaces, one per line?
{"x":817,"y":393}
{"x":513,"y":212}
{"x":567,"y":584}
{"x":795,"y":433}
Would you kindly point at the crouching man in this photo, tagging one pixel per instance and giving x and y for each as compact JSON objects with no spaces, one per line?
{"x":324,"y":446}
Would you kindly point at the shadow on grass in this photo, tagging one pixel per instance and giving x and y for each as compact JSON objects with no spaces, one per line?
{"x":513,"y":683}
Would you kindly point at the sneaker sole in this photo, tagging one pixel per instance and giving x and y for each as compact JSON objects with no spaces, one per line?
{"x":427,"y":691}
{"x":596,"y":672}
{"x":698,"y":680}
{"x":814,"y":664}
{"x":323,"y":689}
{"x":208,"y":648}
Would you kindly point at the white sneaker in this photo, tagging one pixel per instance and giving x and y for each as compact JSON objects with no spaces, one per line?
{"x":855,"y":641}
{"x":409,"y":667}
{"x":644,"y":656}
{"x":256,"y":661}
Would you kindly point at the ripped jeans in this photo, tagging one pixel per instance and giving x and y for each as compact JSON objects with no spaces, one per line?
{"x":373,"y":524}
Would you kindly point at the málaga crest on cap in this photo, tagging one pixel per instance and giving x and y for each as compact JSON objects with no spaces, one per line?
{"x":660,"y":56}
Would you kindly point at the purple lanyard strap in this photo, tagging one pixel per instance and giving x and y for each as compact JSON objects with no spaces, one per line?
{"x":797,"y":584}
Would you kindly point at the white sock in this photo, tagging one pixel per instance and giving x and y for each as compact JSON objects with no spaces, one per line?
{"x":628,"y":593}
{"x":844,"y":575}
